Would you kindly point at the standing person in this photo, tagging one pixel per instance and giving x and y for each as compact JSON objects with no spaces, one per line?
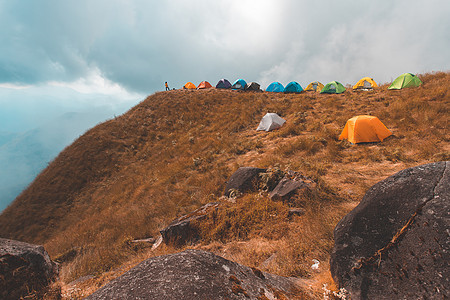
{"x":167,"y":86}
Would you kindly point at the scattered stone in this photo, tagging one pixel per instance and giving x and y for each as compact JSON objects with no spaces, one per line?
{"x":196,"y":274}
{"x":26,"y":271}
{"x":147,"y":240}
{"x":245,"y":179}
{"x":265,"y":264}
{"x":290,"y":184}
{"x":395,"y":243}
{"x":157,"y":242}
{"x":296,"y":212}
{"x":180,"y":231}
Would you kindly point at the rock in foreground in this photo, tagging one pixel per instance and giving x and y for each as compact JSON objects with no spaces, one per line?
{"x":195,"y":274}
{"x":395,"y":243}
{"x":290,"y":184}
{"x":26,"y":270}
{"x":245,"y":179}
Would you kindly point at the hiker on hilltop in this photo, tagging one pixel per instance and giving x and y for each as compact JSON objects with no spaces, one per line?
{"x":167,"y":86}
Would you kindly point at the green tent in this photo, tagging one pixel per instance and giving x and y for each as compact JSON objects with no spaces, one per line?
{"x":333,"y":87}
{"x":404,"y":81}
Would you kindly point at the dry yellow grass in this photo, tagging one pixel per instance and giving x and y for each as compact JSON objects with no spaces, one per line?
{"x":130,"y":176}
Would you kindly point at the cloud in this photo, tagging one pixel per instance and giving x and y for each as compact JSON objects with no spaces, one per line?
{"x":27,"y":107}
{"x":141,"y":44}
{"x":37,"y":122}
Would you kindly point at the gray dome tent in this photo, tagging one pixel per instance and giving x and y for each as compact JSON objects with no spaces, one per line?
{"x":270,"y":122}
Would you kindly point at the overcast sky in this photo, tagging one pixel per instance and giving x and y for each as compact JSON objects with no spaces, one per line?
{"x":138,"y":44}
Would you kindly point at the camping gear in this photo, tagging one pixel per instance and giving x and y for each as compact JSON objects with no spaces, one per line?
{"x":365,"y":83}
{"x":252,"y":86}
{"x":239,"y":84}
{"x":364,"y":129}
{"x":404,"y":81}
{"x":270,"y":122}
{"x":204,"y":85}
{"x":333,"y":87}
{"x":293,"y":87}
{"x":189,"y":85}
{"x":314,"y":86}
{"x":223,"y":84}
{"x":275,"y":87}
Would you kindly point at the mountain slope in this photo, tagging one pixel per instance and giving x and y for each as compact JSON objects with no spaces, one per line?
{"x":128,"y":177}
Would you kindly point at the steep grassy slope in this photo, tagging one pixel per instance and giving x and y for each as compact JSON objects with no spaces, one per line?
{"x":129,"y":177}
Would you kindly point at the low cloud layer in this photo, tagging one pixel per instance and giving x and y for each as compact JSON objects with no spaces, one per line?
{"x":141,"y":44}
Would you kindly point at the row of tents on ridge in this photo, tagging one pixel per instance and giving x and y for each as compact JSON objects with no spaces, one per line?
{"x":403,"y":81}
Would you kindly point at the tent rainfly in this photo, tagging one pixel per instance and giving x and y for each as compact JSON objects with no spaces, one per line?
{"x":365,"y":83}
{"x":293,"y":87}
{"x":189,"y":85}
{"x":364,"y":129}
{"x":223,"y":84}
{"x":270,"y":122}
{"x":239,"y":84}
{"x":275,"y":87}
{"x":405,"y":81}
{"x":333,"y":87}
{"x":314,"y":86}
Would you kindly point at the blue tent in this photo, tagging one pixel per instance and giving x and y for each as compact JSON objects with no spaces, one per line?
{"x":275,"y":87}
{"x":223,"y":84}
{"x":293,"y":87}
{"x":239,"y":84}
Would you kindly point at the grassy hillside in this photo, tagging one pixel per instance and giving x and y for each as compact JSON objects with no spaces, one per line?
{"x":129,"y":177}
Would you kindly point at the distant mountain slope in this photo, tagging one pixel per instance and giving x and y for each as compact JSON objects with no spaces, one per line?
{"x":130,"y":176}
{"x":23,"y":156}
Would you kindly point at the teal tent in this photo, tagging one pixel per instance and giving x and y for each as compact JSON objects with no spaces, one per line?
{"x":275,"y":87}
{"x":333,"y":87}
{"x":293,"y":87}
{"x":239,"y":84}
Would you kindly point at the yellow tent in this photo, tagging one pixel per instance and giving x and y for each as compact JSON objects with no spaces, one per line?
{"x":364,"y":129}
{"x":189,"y":85}
{"x":314,"y":86}
{"x":365,"y":83}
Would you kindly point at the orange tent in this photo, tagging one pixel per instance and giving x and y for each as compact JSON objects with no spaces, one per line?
{"x":189,"y":85}
{"x":204,"y":85}
{"x":364,"y":129}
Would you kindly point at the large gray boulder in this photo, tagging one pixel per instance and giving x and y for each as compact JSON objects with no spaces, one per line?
{"x":26,"y":270}
{"x":195,"y":274}
{"x":245,"y":179}
{"x":181,"y":231}
{"x":395,"y":244}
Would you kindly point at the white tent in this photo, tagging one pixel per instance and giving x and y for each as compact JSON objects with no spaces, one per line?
{"x":270,"y":122}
